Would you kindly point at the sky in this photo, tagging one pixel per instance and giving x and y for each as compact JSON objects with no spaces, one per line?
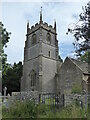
{"x":16,"y":14}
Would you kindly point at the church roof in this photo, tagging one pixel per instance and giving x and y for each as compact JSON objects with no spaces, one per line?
{"x":82,"y":65}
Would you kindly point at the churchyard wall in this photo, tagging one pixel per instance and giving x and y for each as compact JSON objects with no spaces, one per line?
{"x":68,"y":99}
{"x":81,"y":99}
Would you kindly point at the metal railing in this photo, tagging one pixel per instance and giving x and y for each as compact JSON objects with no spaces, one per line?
{"x":51,"y":99}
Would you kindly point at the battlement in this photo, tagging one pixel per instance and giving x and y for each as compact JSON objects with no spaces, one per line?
{"x":43,"y":25}
{"x":36,"y":24}
{"x":32,"y":27}
{"x":50,"y":26}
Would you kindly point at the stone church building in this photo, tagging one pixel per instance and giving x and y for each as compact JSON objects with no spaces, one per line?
{"x":72,"y":76}
{"x":42,"y":69}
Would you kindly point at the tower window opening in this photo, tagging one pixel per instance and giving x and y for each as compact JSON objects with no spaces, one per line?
{"x":49,"y":53}
{"x":33,"y":40}
{"x":48,"y":38}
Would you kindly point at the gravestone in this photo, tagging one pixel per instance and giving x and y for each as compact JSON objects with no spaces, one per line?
{"x":5,"y":89}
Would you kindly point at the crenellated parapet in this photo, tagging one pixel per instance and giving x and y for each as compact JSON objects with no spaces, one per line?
{"x":41,"y":24}
{"x":44,"y":25}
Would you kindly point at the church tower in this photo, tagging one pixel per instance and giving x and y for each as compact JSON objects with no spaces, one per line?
{"x":40,"y":57}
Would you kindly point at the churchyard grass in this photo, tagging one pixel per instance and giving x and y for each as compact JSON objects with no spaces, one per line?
{"x":30,"y":110}
{"x":0,"y":109}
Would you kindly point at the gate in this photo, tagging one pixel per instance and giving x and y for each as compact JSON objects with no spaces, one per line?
{"x":52,"y":99}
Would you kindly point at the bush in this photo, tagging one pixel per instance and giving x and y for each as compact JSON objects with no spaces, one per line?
{"x":30,"y":110}
{"x":21,"y":110}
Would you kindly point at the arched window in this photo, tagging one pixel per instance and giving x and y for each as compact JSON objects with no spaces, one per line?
{"x":33,"y":78}
{"x":33,"y":40}
{"x":48,"y":38}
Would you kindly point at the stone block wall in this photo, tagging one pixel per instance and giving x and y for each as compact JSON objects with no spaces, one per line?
{"x":64,"y":100}
{"x":22,"y":96}
{"x":80,"y":98}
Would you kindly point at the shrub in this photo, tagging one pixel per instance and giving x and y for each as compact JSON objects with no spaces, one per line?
{"x":71,"y":111}
{"x":30,"y":110}
{"x":21,"y":110}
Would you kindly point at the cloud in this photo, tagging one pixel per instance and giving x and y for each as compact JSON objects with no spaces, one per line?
{"x":45,"y":1}
{"x":15,"y":16}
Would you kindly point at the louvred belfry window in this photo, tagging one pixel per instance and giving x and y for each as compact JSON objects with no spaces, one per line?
{"x":33,"y":40}
{"x":48,"y":38}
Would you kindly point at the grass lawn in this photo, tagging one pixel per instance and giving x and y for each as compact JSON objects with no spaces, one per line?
{"x":0,"y":108}
{"x":0,"y":112}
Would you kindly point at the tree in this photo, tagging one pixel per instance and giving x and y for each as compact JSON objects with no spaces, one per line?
{"x":81,"y":32}
{"x":4,"y":39}
{"x":12,"y":77}
{"x":84,"y":57}
{"x":4,"y":35}
{"x":11,"y":74}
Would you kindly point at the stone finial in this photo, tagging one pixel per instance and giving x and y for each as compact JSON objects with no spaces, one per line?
{"x":55,"y":25}
{"x":41,"y":15}
{"x":27,"y":26}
